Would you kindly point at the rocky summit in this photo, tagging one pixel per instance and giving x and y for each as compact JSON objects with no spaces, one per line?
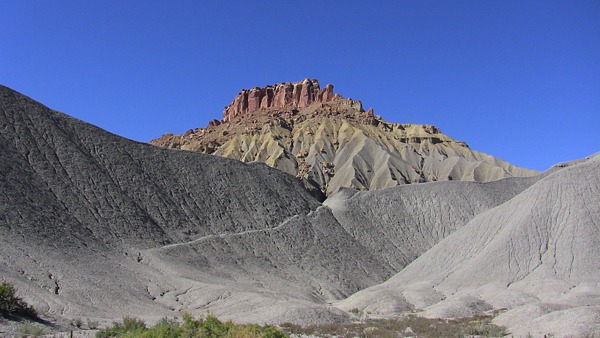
{"x":299,"y":95}
{"x":332,"y":142}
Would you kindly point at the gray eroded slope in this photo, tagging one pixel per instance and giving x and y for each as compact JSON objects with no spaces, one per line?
{"x":93,"y":224}
{"x":403,"y":222}
{"x":535,"y":255}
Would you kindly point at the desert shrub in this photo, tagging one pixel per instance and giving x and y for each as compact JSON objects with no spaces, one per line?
{"x":130,"y":327}
{"x":209,"y":327}
{"x":133,"y":324}
{"x":408,"y":326}
{"x":212,"y":327}
{"x":10,"y":304}
{"x":167,"y":328}
{"x":190,"y":325}
{"x":244,"y":331}
{"x":77,"y":322}
{"x":31,"y":330}
{"x":114,"y":331}
{"x":254,"y":331}
{"x":92,"y":324}
{"x":292,"y":328}
{"x":485,"y":328}
{"x":272,"y":332}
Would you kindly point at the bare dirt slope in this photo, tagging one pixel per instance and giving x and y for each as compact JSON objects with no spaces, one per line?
{"x":403,"y":222}
{"x":535,"y":255}
{"x":93,"y":224}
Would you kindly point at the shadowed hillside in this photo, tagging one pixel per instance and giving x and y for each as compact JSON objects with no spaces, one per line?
{"x":94,"y":224}
{"x":403,"y":222}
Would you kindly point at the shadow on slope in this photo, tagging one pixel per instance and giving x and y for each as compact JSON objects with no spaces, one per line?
{"x":81,"y":210}
{"x":403,"y":222}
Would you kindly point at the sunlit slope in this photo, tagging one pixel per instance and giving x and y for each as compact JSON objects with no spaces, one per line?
{"x":403,"y":222}
{"x":535,"y":255}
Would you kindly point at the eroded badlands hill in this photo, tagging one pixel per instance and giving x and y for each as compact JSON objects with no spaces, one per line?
{"x":534,"y":257}
{"x":95,"y":225}
{"x":332,"y":142}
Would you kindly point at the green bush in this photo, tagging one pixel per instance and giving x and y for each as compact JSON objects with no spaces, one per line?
{"x":212,"y":327}
{"x":10,"y":304}
{"x":272,"y":332}
{"x":130,"y":326}
{"x":167,"y":328}
{"x":133,"y":324}
{"x":209,"y":327}
{"x":31,"y":330}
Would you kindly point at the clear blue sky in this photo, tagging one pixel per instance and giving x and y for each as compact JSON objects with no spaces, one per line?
{"x":519,"y":80}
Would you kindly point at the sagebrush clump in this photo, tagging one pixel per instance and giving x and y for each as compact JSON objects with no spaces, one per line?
{"x":408,"y":326}
{"x":10,"y":304}
{"x":209,"y":327}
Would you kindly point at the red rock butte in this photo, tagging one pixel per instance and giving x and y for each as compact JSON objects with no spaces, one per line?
{"x":286,"y":94}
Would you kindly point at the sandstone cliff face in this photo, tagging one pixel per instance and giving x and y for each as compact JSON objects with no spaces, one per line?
{"x":298,"y":94}
{"x":333,"y":143}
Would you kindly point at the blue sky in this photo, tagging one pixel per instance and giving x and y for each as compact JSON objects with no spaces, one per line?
{"x":519,"y":80}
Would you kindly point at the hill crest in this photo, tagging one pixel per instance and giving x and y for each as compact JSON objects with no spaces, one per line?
{"x":333,"y":143}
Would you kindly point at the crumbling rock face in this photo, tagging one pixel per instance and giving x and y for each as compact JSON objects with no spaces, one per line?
{"x":298,"y":94}
{"x":332,"y":143}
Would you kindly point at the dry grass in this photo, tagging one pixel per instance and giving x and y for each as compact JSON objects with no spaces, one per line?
{"x":409,"y":326}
